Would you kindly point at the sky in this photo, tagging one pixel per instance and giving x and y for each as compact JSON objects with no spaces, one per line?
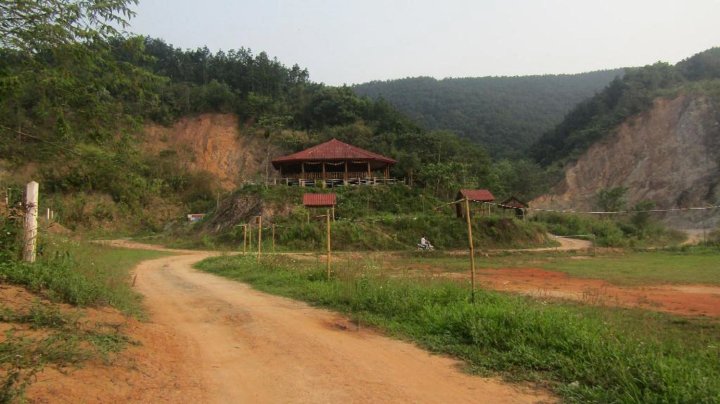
{"x":349,"y":42}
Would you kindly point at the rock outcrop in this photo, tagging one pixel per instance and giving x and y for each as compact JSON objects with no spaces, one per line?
{"x":213,"y":143}
{"x":669,"y":155}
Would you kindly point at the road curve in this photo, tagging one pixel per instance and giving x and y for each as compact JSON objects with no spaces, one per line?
{"x":247,"y":346}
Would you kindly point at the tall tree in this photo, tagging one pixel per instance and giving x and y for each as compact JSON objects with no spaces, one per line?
{"x":33,"y":25}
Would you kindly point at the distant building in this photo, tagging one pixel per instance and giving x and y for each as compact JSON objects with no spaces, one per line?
{"x":320,"y":201}
{"x":334,"y":163}
{"x":516,"y":204}
{"x":472,"y":195}
{"x":195,"y":217}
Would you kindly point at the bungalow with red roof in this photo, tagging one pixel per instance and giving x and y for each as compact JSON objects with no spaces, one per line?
{"x":334,"y":163}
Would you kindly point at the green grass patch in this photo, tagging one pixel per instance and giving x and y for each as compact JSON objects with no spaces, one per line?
{"x":586,"y":353}
{"x":81,"y":273}
{"x":626,"y":267}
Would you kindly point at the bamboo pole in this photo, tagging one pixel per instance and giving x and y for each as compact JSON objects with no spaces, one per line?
{"x":244,"y":226}
{"x":327,"y":222}
{"x":259,"y":218}
{"x":472,"y":248}
{"x":31,"y":214}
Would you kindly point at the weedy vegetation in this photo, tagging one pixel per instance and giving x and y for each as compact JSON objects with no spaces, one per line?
{"x":586,"y":354}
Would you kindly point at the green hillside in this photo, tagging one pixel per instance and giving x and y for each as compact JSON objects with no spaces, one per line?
{"x":503,"y":114}
{"x":594,"y":118}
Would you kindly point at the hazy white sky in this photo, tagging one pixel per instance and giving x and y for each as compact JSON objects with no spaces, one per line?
{"x":344,"y":41}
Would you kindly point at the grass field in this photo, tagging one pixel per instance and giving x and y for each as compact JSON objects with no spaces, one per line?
{"x":585,"y":354}
{"x":625,"y":267}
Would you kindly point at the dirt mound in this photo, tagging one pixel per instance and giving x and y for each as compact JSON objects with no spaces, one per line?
{"x":213,"y":143}
{"x":669,"y":155}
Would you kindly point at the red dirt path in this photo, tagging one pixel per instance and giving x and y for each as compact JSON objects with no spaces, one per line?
{"x":691,"y":300}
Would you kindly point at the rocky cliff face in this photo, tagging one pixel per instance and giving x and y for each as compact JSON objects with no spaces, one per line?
{"x":213,"y":143}
{"x":669,"y":155}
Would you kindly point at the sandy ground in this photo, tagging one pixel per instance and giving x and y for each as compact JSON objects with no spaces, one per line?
{"x":214,"y":340}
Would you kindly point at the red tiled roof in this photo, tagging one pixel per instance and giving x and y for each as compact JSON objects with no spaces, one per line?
{"x":332,"y":150}
{"x":477,"y":195}
{"x":319,"y":200}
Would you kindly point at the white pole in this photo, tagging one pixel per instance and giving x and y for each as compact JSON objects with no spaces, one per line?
{"x":31,"y":213}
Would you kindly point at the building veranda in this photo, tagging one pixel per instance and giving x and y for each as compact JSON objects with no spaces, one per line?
{"x":334,"y":163}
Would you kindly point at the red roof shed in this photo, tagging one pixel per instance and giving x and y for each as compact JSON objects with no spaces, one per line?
{"x":476,"y":195}
{"x":473,"y":195}
{"x":319,"y":200}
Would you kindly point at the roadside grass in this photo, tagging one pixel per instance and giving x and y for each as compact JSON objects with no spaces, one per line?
{"x":67,"y":277}
{"x":585,"y":354}
{"x":695,"y":265}
{"x":81,"y":274}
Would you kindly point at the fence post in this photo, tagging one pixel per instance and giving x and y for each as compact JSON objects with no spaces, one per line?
{"x":472,"y":248}
{"x":259,"y":236}
{"x":31,"y":213}
{"x":273,"y":237}
{"x":327,"y":222}
{"x":244,"y":239}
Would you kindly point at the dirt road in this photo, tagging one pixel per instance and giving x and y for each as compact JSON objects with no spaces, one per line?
{"x":245,"y":346}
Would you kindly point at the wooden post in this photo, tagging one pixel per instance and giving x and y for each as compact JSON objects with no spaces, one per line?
{"x":245,"y":233}
{"x":333,"y":213}
{"x":327,"y":222}
{"x":47,"y":215}
{"x":31,"y":213}
{"x":345,"y":177}
{"x":259,"y":218}
{"x":323,"y":171}
{"x":273,"y":237}
{"x":472,"y":248}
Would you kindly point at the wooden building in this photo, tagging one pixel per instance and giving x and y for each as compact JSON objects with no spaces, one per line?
{"x":473,"y":195}
{"x":334,"y":163}
{"x":327,"y":201}
{"x":515,"y":204}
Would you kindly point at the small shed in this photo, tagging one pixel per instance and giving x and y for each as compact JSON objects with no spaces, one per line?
{"x":328,"y":201}
{"x":516,"y":204}
{"x":195,"y":217}
{"x":473,"y":195}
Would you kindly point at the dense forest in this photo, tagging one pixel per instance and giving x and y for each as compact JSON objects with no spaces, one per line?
{"x":503,"y":114}
{"x":72,"y":109}
{"x":594,"y":118}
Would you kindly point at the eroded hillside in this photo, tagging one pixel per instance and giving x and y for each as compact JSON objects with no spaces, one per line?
{"x":212,"y":143}
{"x":669,"y":155}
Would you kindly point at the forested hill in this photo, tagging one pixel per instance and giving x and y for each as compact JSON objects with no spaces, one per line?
{"x":504,"y":114}
{"x":596,"y":117}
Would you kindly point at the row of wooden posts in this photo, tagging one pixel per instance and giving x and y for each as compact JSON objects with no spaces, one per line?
{"x":258,"y":221}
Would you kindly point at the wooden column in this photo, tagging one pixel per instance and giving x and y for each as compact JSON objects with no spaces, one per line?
{"x":472,"y":248}
{"x":345,"y":177}
{"x":323,"y":171}
{"x":327,"y":222}
{"x":369,"y":175}
{"x":259,"y":236}
{"x":31,"y":213}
